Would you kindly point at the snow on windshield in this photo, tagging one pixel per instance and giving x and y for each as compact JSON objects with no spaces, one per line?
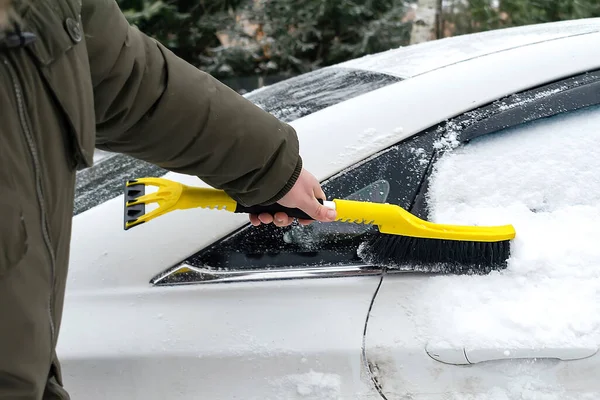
{"x":544,"y":178}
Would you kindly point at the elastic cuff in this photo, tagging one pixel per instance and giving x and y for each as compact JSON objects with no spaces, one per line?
{"x":288,"y":186}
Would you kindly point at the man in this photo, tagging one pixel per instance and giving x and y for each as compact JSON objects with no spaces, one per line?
{"x":74,"y":77}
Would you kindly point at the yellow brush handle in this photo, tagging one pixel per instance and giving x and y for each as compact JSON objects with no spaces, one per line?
{"x":175,"y":196}
{"x":392,"y":219}
{"x":194,"y":197}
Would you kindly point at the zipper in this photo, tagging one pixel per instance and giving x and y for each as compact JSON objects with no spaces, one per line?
{"x":38,"y":186}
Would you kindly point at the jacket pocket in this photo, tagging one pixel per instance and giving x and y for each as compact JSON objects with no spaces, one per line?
{"x":13,"y":233}
{"x":60,"y":51}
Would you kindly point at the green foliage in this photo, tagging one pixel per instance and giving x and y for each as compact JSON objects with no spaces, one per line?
{"x":187,"y":27}
{"x":241,"y":38}
{"x":282,"y":36}
{"x":301,"y":35}
{"x":538,"y":11}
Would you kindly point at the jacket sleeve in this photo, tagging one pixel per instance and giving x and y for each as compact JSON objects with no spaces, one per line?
{"x":156,"y":107}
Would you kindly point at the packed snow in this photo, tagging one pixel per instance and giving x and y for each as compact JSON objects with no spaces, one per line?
{"x":525,"y":387}
{"x":544,"y":179}
{"x":312,"y":385}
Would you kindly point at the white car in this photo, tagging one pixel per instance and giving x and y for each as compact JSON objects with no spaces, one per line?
{"x":491,"y":128}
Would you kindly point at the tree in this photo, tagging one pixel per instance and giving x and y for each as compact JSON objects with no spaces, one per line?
{"x":261,"y":37}
{"x":266,"y":38}
{"x":424,"y":26}
{"x":462,"y":17}
{"x":301,"y":35}
{"x":187,"y":27}
{"x":520,"y":12}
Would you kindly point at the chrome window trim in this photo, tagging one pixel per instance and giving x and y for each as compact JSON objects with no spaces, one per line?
{"x":185,"y":274}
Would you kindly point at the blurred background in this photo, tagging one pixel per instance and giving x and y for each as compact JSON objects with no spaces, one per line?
{"x":248,"y":44}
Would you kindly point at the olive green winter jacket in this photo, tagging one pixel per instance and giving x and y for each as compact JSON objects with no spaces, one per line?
{"x":124,"y":92}
{"x":90,"y":80}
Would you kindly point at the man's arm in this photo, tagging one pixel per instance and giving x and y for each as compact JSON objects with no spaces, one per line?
{"x":154,"y":106}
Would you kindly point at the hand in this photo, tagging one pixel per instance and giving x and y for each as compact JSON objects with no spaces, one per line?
{"x":303,"y":195}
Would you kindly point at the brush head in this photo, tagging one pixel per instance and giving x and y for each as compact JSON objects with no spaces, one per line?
{"x":435,"y":255}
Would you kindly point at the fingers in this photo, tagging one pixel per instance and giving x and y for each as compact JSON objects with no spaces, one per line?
{"x":265,"y":218}
{"x":279,"y":219}
{"x":254,"y":220}
{"x":305,"y":195}
{"x":282,"y":219}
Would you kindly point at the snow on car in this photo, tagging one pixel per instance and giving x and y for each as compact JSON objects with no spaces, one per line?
{"x":491,"y":128}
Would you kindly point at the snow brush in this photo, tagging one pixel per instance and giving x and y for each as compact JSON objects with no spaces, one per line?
{"x":402,"y":239}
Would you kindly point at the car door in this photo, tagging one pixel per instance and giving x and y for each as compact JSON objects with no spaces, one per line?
{"x":530,"y":330}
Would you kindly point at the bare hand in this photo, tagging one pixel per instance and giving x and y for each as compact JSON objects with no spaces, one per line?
{"x":303,"y":195}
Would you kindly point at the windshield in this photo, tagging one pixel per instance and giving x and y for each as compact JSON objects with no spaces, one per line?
{"x":308,"y":93}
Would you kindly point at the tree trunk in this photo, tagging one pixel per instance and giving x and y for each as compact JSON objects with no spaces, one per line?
{"x":424,"y":26}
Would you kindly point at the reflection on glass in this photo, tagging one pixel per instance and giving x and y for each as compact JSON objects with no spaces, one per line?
{"x":315,"y":234}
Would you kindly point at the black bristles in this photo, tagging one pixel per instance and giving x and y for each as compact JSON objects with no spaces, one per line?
{"x":435,"y":255}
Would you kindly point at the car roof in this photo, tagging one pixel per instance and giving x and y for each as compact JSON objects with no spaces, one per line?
{"x":409,"y":61}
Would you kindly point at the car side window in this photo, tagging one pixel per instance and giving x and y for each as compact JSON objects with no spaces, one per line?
{"x":397,"y":175}
{"x":539,"y":165}
{"x":392,"y":176}
{"x":315,"y":235}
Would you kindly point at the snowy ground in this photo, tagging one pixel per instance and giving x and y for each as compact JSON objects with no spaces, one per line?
{"x":545,"y":180}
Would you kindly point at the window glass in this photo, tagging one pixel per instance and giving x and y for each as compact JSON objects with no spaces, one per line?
{"x":393,"y":176}
{"x":308,"y":93}
{"x":541,"y":167}
{"x":543,"y":178}
{"x":403,"y":171}
{"x":314,"y":235}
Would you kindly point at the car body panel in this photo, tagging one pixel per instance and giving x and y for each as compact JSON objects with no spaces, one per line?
{"x":260,"y":341}
{"x":122,"y":337}
{"x":410,"y":61}
{"x":408,"y":364}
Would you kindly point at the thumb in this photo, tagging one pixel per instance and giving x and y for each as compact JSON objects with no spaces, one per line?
{"x":319,"y":212}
